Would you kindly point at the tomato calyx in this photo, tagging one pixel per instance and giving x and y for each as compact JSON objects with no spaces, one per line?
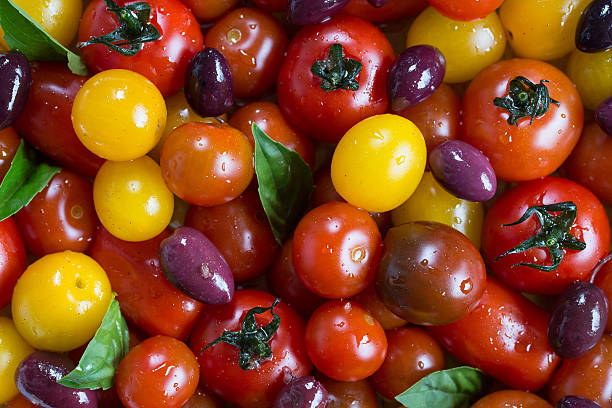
{"x":251,"y":340}
{"x":555,"y":233}
{"x":134,"y":29}
{"x":525,"y":100}
{"x":336,"y":71}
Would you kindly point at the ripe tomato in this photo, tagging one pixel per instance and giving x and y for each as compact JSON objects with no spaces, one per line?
{"x":392,"y":10}
{"x":344,"y":341}
{"x":12,"y":259}
{"x":592,"y":74}
{"x":524,"y":151}
{"x":590,"y":226}
{"x":206,"y":11}
{"x":163,"y":61}
{"x":9,"y":143}
{"x":603,"y":279}
{"x":203,"y":399}
{"x":13,"y":349}
{"x":353,"y":394}
{"x":219,"y":368}
{"x":511,"y":398}
{"x":271,"y":5}
{"x":59,"y":18}
{"x":371,"y":302}
{"x":160,"y":372}
{"x":20,"y":402}
{"x":327,"y":115}
{"x":466,"y":10}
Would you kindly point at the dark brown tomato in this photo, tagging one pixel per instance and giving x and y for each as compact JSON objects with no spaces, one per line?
{"x":271,"y":5}
{"x":393,"y":10}
{"x":61,"y":217}
{"x":240,"y":231}
{"x":324,"y":191}
{"x":603,"y":279}
{"x":370,"y":300}
{"x":203,"y":399}
{"x":9,"y":143}
{"x":358,"y":394}
{"x":511,"y":398}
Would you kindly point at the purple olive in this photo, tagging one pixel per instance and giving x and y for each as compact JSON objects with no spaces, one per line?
{"x":414,"y":76}
{"x":578,"y":319}
{"x":594,"y":31}
{"x":37,"y":377}
{"x":572,"y":401}
{"x":378,"y":3}
{"x":304,"y":12}
{"x":303,"y":392}
{"x":603,"y":116}
{"x":196,"y":267}
{"x":15,"y":80}
{"x":463,"y":170}
{"x":209,"y":88}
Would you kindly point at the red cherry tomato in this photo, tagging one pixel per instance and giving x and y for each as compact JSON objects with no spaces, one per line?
{"x":12,"y":259}
{"x":393,"y":10}
{"x":466,"y":10}
{"x":9,"y":143}
{"x":603,"y":279}
{"x":206,"y":10}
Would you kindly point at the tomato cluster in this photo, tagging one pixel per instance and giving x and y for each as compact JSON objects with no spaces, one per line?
{"x":379,"y":190}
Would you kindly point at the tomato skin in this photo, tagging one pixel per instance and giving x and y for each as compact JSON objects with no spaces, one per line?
{"x":370,"y":301}
{"x":164,"y":61}
{"x":219,"y":369}
{"x":271,"y":6}
{"x":603,"y":279}
{"x":140,"y":382}
{"x":505,"y":336}
{"x":9,"y":143}
{"x":466,"y":10}
{"x":206,"y":10}
{"x":393,"y":10}
{"x":591,"y":226}
{"x":511,"y":398}
{"x":59,"y":18}
{"x":354,"y":394}
{"x":19,"y":402}
{"x":523,"y":152}
{"x":13,"y":349}
{"x":328,"y":115}
{"x":12,"y":259}
{"x":45,"y":122}
{"x":146,"y":296}
{"x":592,"y":74}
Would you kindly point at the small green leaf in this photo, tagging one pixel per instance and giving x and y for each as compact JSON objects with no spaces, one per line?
{"x":23,"y":181}
{"x":26,"y":35}
{"x":285,"y":184}
{"x":454,"y":388}
{"x":99,"y":362}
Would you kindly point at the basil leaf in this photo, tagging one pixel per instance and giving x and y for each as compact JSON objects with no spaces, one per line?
{"x":97,"y":366}
{"x":23,"y":181}
{"x":26,"y":35}
{"x":453,"y":388}
{"x":285,"y":184}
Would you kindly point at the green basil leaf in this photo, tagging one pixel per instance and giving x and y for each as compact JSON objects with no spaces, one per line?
{"x":453,"y":388}
{"x":285,"y":184}
{"x":99,"y":362}
{"x":26,"y":35}
{"x":23,"y":181}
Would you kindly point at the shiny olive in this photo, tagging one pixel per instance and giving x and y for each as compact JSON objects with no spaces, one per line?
{"x":209,"y":88}
{"x":603,"y":116}
{"x":378,"y":3}
{"x":304,"y":12}
{"x":15,"y":79}
{"x":303,"y":392}
{"x":572,"y":401}
{"x":594,"y":31}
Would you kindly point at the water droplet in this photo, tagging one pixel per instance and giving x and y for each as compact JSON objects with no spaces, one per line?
{"x":424,"y":262}
{"x":358,"y":254}
{"x":234,"y":35}
{"x":76,"y":212}
{"x":421,"y":365}
{"x":466,"y":286}
{"x":400,"y":160}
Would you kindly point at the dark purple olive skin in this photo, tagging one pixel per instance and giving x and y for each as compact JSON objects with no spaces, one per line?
{"x":578,"y":319}
{"x":15,"y":80}
{"x":196,"y":267}
{"x":594,"y":31}
{"x":305,"y":12}
{"x":36,"y":379}
{"x":209,"y":88}
{"x":378,"y":3}
{"x":572,"y":401}
{"x":603,"y":116}
{"x":303,"y":392}
{"x":414,"y":76}
{"x":463,"y":170}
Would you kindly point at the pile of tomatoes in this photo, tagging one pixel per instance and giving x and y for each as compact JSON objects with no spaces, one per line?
{"x":458,"y":159}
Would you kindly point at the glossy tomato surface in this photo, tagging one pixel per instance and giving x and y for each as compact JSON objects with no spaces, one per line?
{"x":392,"y":10}
{"x":12,"y":259}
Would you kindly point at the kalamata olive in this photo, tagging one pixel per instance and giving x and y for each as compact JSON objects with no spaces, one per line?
{"x":578,"y":319}
{"x":572,"y":401}
{"x":303,"y":392}
{"x":463,"y":170}
{"x":37,"y":377}
{"x":594,"y":31}
{"x":196,"y":267}
{"x":209,"y":88}
{"x":15,"y":82}
{"x":378,"y":3}
{"x":304,"y":12}
{"x":603,"y":116}
{"x":414,"y":76}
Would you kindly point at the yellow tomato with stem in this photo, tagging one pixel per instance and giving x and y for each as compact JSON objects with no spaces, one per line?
{"x":13,"y":349}
{"x":60,"y":300}
{"x":592,"y":74}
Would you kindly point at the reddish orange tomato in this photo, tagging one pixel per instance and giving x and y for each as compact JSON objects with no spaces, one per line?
{"x":465,"y":10}
{"x":370,"y":300}
{"x":12,"y":259}
{"x":511,"y":398}
{"x":202,"y":399}
{"x":207,"y":10}
{"x":9,"y":143}
{"x":393,"y":10}
{"x":20,"y":402}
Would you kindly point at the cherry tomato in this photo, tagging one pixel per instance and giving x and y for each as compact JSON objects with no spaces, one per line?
{"x":13,"y":349}
{"x":505,"y":336}
{"x":12,"y":259}
{"x":147,"y":298}
{"x":592,"y":74}
{"x":336,"y":250}
{"x":392,"y":10}
{"x":324,"y":191}
{"x":20,"y":402}
{"x":219,"y":369}
{"x":371,"y":302}
{"x":9,"y":143}
{"x":253,"y":43}
{"x":45,"y":122}
{"x":590,"y":226}
{"x":603,"y":279}
{"x":59,"y":18}
{"x":524,"y":151}
{"x":241,"y":232}
{"x":271,"y":5}
{"x":202,"y":399}
{"x":467,"y":46}
{"x":344,"y":341}
{"x":163,"y":61}
{"x":466,"y":10}
{"x":206,"y":11}
{"x":61,"y":217}
{"x":511,"y":398}
{"x":327,"y":115}
{"x":354,"y":394}
{"x":160,"y":372}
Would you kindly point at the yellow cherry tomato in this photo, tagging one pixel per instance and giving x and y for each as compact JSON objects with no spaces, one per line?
{"x":132,"y":199}
{"x":431,"y":202}
{"x":542,"y":29}
{"x":468,"y":46}
{"x":592,"y":74}
{"x":60,"y":300}
{"x":13,"y":349}
{"x":119,"y":115}
{"x":379,"y":162}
